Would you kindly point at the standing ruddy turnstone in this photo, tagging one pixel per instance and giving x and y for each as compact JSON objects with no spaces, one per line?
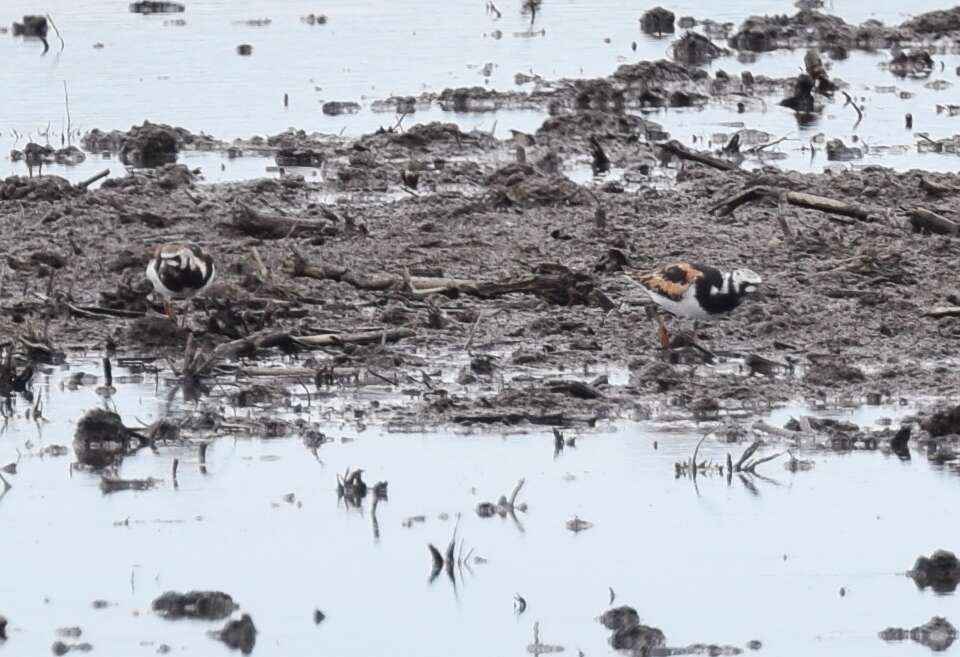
{"x":179,"y":271}
{"x":696,"y":291}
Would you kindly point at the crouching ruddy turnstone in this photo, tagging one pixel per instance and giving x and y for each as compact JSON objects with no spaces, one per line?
{"x":696,"y":291}
{"x":179,"y":271}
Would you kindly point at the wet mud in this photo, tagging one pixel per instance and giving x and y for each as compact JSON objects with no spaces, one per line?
{"x":428,"y":277}
{"x":492,"y":258}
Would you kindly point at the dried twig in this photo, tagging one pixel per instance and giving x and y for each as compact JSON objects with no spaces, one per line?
{"x":747,"y":453}
{"x":83,"y":184}
{"x":63,"y":44}
{"x":850,"y":101}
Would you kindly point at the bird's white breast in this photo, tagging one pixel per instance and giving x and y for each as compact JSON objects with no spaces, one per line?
{"x":687,"y":306}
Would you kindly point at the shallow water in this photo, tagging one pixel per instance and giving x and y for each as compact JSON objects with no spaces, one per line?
{"x":715,"y":563}
{"x":191,"y":76}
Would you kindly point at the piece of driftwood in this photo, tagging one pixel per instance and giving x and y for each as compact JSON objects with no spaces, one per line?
{"x":927,"y":221}
{"x":943,"y":311}
{"x":562,"y":288}
{"x":83,"y":184}
{"x":934,"y":187}
{"x":258,"y":224}
{"x":382,"y":281}
{"x":573,"y":388}
{"x":296,"y":372}
{"x":510,"y":417}
{"x":676,"y":149}
{"x":366,"y":337}
{"x":799,"y":199}
{"x":197,"y":365}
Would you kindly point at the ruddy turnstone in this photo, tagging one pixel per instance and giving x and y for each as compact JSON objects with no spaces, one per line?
{"x":695,"y":291}
{"x":179,"y":271}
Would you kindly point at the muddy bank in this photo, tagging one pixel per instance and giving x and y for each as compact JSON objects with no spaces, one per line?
{"x":812,"y":28}
{"x":588,"y":122}
{"x":487,"y":269}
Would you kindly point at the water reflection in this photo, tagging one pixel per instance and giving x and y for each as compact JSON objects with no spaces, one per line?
{"x":719,"y":562}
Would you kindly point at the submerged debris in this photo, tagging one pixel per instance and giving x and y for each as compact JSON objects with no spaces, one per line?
{"x":504,"y":506}
{"x":205,"y":605}
{"x":336,"y":108}
{"x":802,"y":98}
{"x":657,"y":21}
{"x":239,"y":634}
{"x":619,"y":618}
{"x":540,"y":648}
{"x":940,"y":571}
{"x":31,"y":26}
{"x":61,"y":648}
{"x":577,"y":525}
{"x":351,"y":487}
{"x":156,"y":7}
{"x":113,"y":485}
{"x":637,"y":638}
{"x":101,"y":439}
{"x":938,"y":634}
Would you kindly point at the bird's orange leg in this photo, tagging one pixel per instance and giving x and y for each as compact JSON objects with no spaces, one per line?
{"x":662,"y":333}
{"x":168,"y":311}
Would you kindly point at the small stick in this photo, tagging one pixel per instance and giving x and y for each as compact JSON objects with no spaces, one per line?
{"x":753,"y":466}
{"x":203,"y":457}
{"x":693,"y":461}
{"x":437,"y":561}
{"x":782,"y":220}
{"x":760,"y":147}
{"x":176,"y":464}
{"x":264,"y":272}
{"x":850,"y":101}
{"x":747,"y":453}
{"x":66,"y":99}
{"x":83,"y":184}
{"x":516,"y":491}
{"x":63,"y":44}
{"x":108,"y":372}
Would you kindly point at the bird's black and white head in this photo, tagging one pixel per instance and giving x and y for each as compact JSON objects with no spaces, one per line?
{"x":744,"y":281}
{"x":180,"y":270}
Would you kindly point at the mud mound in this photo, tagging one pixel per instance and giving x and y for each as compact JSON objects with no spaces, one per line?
{"x":695,"y":49}
{"x":156,"y":331}
{"x":658,"y":72}
{"x":522,"y":185}
{"x":148,"y":139}
{"x":599,"y":94}
{"x":939,"y":21}
{"x":806,"y":28}
{"x":586,"y":124}
{"x":47,"y":188}
{"x":424,"y":134}
{"x":943,"y":423}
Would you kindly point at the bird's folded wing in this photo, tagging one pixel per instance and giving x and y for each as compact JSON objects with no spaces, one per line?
{"x":671,"y":281}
